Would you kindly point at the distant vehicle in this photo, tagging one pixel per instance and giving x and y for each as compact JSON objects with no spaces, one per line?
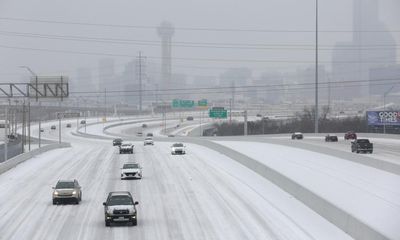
{"x":297,"y":135}
{"x":120,"y":207}
{"x":41,"y":130}
{"x":148,"y":141}
{"x":178,"y":148}
{"x":362,"y":145}
{"x":131,"y":170}
{"x":190,"y":118}
{"x":69,"y":125}
{"x":171,"y":135}
{"x":350,"y":135}
{"x":331,"y":138}
{"x":12,"y":137}
{"x":117,"y":142}
{"x":83,"y":122}
{"x":139,"y":134}
{"x":53,"y":127}
{"x":126,"y":148}
{"x":258,"y":115}
{"x":67,"y":191}
{"x":144,"y":125}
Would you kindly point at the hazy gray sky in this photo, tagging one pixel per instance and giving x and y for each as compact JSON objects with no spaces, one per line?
{"x":222,"y":14}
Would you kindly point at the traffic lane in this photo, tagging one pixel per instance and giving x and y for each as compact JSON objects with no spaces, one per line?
{"x":27,"y":210}
{"x":199,"y":201}
{"x":180,"y":198}
{"x":383,"y":150}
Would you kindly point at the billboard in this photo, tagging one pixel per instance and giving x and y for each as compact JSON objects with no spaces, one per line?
{"x":380,"y":118}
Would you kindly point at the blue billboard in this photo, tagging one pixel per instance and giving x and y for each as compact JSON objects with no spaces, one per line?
{"x":379,"y":118}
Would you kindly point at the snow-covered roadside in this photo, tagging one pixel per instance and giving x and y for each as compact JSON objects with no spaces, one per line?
{"x":371,"y":195}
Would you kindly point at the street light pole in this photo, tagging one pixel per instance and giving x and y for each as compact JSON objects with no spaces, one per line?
{"x":29,"y":107}
{"x":316,"y":67}
{"x":384,"y":106}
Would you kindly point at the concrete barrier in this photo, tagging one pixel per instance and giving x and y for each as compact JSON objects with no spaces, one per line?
{"x":10,"y":163}
{"x":343,"y":220}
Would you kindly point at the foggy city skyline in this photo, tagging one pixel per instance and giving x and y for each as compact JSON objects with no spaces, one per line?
{"x":210,"y":40}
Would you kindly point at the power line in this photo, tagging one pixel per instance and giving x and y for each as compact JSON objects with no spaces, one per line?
{"x":296,"y":90}
{"x":184,"y":28}
{"x":181,"y":58}
{"x":397,"y":79}
{"x":302,"y":47}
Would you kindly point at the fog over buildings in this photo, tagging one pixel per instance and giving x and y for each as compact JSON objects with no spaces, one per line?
{"x":269,"y":45}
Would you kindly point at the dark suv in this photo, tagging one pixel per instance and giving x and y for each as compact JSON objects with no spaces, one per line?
{"x":120,"y":207}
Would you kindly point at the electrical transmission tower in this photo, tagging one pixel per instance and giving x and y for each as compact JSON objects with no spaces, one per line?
{"x":140,"y":65}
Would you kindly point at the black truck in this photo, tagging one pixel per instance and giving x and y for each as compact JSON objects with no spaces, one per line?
{"x":362,"y":145}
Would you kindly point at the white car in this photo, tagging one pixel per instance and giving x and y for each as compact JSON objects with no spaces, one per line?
{"x":126,"y":148}
{"x":131,"y":170}
{"x":148,"y":141}
{"x":178,"y":148}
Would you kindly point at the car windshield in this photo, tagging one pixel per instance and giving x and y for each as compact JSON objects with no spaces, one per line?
{"x":120,"y":200}
{"x":148,"y":138}
{"x":363,"y":141}
{"x":177,"y":145}
{"x":65,"y":185}
{"x":130,"y":165}
{"x":118,"y":140}
{"x":126,"y":145}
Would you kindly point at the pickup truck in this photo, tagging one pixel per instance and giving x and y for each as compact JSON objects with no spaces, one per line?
{"x":362,"y":145}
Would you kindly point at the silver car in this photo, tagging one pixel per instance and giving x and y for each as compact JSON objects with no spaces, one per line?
{"x":131,"y":170}
{"x":67,"y":191}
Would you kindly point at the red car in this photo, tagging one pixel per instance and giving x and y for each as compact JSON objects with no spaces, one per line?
{"x":350,"y":135}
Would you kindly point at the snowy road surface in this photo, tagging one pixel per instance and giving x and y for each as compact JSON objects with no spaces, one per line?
{"x":201,"y":195}
{"x":369,"y":194}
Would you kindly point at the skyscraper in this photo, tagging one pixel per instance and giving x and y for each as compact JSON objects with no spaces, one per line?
{"x":372,"y":46}
{"x":166,"y":31}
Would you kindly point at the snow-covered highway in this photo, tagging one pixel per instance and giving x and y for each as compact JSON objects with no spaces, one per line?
{"x":201,"y":195}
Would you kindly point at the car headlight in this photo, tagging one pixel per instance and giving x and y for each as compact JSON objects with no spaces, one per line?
{"x":55,"y":193}
{"x":74,"y":192}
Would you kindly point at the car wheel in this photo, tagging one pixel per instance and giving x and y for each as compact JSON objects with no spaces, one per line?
{"x":107,"y":223}
{"x":80,"y":197}
{"x":54,"y":202}
{"x":358,"y":151}
{"x":371,"y":151}
{"x":134,"y":222}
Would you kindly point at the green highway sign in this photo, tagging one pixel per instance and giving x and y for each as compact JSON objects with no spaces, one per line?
{"x":202,"y":103}
{"x":218,"y":112}
{"x":179,"y":103}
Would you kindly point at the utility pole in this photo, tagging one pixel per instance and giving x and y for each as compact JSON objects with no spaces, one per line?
{"x":29,"y":124}
{"x":140,"y":66}
{"x":105,"y":105}
{"x":233,"y":95}
{"x":40,"y":123}
{"x":316,"y":67}
{"x":245,"y":122}
{"x":6,"y":134}
{"x":230,"y":111}
{"x":23,"y":127}
{"x":384,"y":106}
